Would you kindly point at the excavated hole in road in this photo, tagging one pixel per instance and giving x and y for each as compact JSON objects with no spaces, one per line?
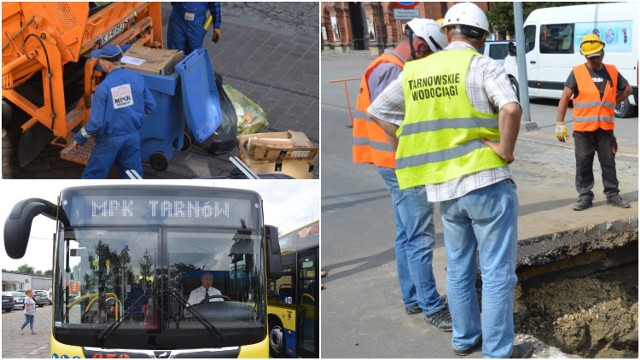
{"x":585,"y":305}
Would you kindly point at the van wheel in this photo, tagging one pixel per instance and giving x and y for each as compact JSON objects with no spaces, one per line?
{"x":514,"y":85}
{"x":624,"y":109}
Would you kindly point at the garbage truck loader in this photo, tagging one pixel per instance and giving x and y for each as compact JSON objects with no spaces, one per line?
{"x":47,"y":76}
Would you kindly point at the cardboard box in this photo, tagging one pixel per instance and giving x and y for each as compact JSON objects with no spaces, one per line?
{"x":289,"y":152}
{"x":153,"y":61}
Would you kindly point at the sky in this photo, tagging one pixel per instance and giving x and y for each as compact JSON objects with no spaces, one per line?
{"x":288,"y":204}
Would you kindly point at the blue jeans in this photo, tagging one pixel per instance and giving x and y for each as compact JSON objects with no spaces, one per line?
{"x":485,"y":220}
{"x":28,"y":319}
{"x":415,"y":237}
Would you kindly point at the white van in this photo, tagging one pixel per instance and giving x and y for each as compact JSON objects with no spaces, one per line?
{"x":552,"y":43}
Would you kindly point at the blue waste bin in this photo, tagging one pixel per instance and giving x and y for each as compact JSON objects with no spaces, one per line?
{"x":186,"y":98}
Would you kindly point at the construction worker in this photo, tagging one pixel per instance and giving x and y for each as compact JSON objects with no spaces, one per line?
{"x":461,"y":121}
{"x":415,"y":230}
{"x":186,"y":28}
{"x":118,"y":107}
{"x":596,"y":89}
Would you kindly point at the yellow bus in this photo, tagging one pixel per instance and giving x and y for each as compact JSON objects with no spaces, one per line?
{"x":293,"y":304}
{"x":134,"y":254}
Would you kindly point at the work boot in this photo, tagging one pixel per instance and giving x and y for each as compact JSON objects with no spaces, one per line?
{"x":440,"y":319}
{"x":470,"y":349}
{"x":618,"y":201}
{"x":522,"y":351}
{"x":582,"y":204}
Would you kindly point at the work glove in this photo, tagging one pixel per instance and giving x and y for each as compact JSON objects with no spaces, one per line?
{"x":79,"y":139}
{"x":561,"y":132}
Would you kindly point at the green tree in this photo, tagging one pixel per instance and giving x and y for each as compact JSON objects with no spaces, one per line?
{"x":145,"y":262}
{"x":500,"y":14}
{"x":26,"y":269}
{"x":48,"y":273}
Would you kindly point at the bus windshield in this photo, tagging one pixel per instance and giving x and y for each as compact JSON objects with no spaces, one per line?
{"x":159,"y":271}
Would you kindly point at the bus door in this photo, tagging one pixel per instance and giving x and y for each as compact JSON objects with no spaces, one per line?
{"x":308,"y":303}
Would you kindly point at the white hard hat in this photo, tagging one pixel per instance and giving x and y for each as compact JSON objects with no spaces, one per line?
{"x":429,"y":30}
{"x":468,"y":14}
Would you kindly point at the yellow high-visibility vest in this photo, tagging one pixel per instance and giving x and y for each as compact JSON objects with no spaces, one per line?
{"x":441,"y":136}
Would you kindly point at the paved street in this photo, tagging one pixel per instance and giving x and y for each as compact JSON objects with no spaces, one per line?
{"x":268,"y":51}
{"x":16,"y":345}
{"x":362,"y":315}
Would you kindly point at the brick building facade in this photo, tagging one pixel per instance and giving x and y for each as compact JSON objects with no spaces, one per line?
{"x":372,"y":26}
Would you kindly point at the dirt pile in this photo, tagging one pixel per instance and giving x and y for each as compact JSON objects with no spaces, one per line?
{"x":592,"y":316}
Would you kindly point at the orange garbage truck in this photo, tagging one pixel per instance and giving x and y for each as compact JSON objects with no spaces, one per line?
{"x":47,"y":74}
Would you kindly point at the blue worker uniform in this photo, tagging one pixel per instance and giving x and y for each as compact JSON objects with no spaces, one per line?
{"x":118,"y":107}
{"x":185,"y":31}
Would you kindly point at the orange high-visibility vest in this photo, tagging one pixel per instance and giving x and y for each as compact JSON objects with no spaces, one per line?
{"x":370,"y":143}
{"x":589,"y":111}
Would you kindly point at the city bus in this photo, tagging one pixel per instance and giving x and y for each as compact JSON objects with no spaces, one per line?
{"x":126,"y":257}
{"x":293,"y":298}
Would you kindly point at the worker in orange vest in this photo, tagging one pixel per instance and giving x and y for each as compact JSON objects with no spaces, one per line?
{"x":596,"y":89}
{"x":415,"y":230}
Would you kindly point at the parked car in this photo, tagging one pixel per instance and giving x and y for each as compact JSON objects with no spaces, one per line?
{"x":7,"y":302}
{"x":18,"y":299}
{"x":49,"y":293}
{"x":497,"y":50}
{"x":40,"y":297}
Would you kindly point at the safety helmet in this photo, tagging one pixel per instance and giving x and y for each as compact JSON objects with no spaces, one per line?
{"x":591,"y":44}
{"x":429,"y":30}
{"x":468,"y":14}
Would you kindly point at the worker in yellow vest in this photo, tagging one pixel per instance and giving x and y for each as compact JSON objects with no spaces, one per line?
{"x":596,"y":89}
{"x":415,"y":229}
{"x":460,"y":125}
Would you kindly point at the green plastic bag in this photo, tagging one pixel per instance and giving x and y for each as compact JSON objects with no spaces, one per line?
{"x":251,"y":118}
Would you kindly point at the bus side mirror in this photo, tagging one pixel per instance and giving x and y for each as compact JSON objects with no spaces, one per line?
{"x":274,"y":257}
{"x":511,"y":48}
{"x":17,"y":227}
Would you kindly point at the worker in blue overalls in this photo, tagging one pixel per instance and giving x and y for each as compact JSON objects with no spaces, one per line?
{"x":186,"y":29}
{"x":118,"y":108}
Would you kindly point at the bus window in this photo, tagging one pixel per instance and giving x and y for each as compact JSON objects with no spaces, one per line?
{"x":109,"y":266}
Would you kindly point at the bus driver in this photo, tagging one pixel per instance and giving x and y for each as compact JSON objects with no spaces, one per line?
{"x":204,"y":293}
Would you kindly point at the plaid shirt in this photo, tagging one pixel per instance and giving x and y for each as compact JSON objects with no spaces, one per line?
{"x":488,"y":89}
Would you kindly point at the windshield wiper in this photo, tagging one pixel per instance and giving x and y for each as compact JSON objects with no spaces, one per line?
{"x":115,"y":325}
{"x":209,"y":326}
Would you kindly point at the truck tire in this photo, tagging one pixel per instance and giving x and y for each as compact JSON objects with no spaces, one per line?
{"x":624,"y":109}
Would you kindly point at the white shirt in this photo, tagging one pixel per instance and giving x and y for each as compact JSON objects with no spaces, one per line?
{"x":198,"y":294}
{"x":29,"y":306}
